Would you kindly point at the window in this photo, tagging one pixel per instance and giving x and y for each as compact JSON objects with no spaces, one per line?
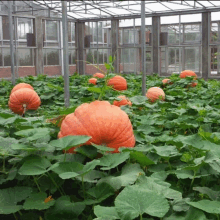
{"x":5,"y":25}
{"x":51,"y":57}
{"x":24,"y":26}
{"x":25,"y":57}
{"x":192,"y":33}
{"x":51,"y":30}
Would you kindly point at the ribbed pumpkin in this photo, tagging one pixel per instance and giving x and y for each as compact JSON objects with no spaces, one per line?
{"x":107,"y":125}
{"x":166,"y":81}
{"x":154,"y":93}
{"x":124,"y":101}
{"x":99,"y":75}
{"x":24,"y":99}
{"x":186,"y":73}
{"x":118,"y":82}
{"x":93,"y":81}
{"x":21,"y":85}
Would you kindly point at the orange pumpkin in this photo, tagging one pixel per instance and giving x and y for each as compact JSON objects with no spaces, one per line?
{"x":21,"y":85}
{"x":166,"y":81}
{"x":106,"y":124}
{"x":118,"y":82}
{"x":93,"y":81}
{"x":123,"y":101}
{"x":155,"y":93}
{"x":99,"y":75}
{"x":24,"y":99}
{"x":186,"y":73}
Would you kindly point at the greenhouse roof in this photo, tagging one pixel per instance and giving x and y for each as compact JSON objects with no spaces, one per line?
{"x":99,"y":9}
{"x":93,"y":10}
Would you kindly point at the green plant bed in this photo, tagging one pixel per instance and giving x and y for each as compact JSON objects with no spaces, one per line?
{"x":172,"y":173}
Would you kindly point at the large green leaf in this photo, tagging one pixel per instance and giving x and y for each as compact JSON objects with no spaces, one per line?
{"x":11,"y":196}
{"x":106,"y":212}
{"x":134,"y":201}
{"x":207,"y":206}
{"x":34,"y":165}
{"x":36,"y":201}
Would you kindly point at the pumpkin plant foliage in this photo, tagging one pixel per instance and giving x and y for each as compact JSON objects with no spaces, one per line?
{"x":172,"y":172}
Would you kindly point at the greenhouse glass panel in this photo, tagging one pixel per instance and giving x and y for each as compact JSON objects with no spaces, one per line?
{"x":192,"y":33}
{"x":25,"y":57}
{"x":52,"y":57}
{"x":52,"y":30}
{"x":24,"y":27}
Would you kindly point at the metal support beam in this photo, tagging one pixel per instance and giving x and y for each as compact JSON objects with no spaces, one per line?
{"x":65,"y":54}
{"x":80,"y":32}
{"x":143,"y":48}
{"x":155,"y":42}
{"x":39,"y":44}
{"x":11,"y":41}
{"x":114,"y":33}
{"x":206,"y":18}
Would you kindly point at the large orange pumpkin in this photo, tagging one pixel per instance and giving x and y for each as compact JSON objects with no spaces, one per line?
{"x":93,"y":81}
{"x":107,"y":125}
{"x":118,"y":83}
{"x":155,"y":93}
{"x":124,"y":101}
{"x":24,"y":99}
{"x":99,"y":75}
{"x":186,"y":73}
{"x":21,"y":85}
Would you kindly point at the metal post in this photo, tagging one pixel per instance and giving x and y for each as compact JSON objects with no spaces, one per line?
{"x":206,"y":18}
{"x":143,"y":48}
{"x":180,"y":57}
{"x":65,"y":54}
{"x":155,"y":45}
{"x":11,"y":42}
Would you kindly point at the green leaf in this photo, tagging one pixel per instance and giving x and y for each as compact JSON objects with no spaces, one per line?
{"x":106,"y":212}
{"x":213,"y":195}
{"x":102,"y":148}
{"x":207,"y":206}
{"x":107,"y":66}
{"x":69,"y":141}
{"x":110,"y":58}
{"x":94,"y":89}
{"x":64,"y":209}
{"x":112,"y":160}
{"x":11,"y":196}
{"x":129,"y":175}
{"x":34,"y":165}
{"x":138,"y":100}
{"x":132,"y":202}
{"x":195,"y":214}
{"x":36,"y":201}
{"x":141,"y":158}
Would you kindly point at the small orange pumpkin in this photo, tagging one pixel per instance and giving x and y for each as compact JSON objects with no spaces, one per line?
{"x":118,"y":82}
{"x":155,"y":93}
{"x":124,"y":101}
{"x":99,"y":75}
{"x":93,"y":81}
{"x":186,"y":73}
{"x":166,"y":81}
{"x":107,"y":125}
{"x":24,"y":99}
{"x":21,"y":85}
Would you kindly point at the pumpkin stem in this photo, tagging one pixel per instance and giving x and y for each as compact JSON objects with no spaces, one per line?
{"x":25,"y":108}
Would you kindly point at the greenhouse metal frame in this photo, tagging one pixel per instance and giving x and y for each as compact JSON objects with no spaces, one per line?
{"x":78,"y":15}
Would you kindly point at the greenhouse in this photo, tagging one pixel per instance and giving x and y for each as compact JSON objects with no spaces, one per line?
{"x":110,"y":109}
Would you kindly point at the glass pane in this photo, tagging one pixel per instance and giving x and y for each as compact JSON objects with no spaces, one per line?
{"x":101,"y":56}
{"x":192,"y":33}
{"x":95,"y":32}
{"x":52,"y":57}
{"x":51,"y":30}
{"x":25,"y":57}
{"x":192,"y":59}
{"x":7,"y":57}
{"x":214,"y":32}
{"x":174,"y":61}
{"x":73,"y":52}
{"x":69,"y":31}
{"x":1,"y":63}
{"x":24,"y":27}
{"x":5,"y":25}
{"x":100,"y":32}
{"x":73,"y":31}
{"x":89,"y":56}
{"x":215,"y":60}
